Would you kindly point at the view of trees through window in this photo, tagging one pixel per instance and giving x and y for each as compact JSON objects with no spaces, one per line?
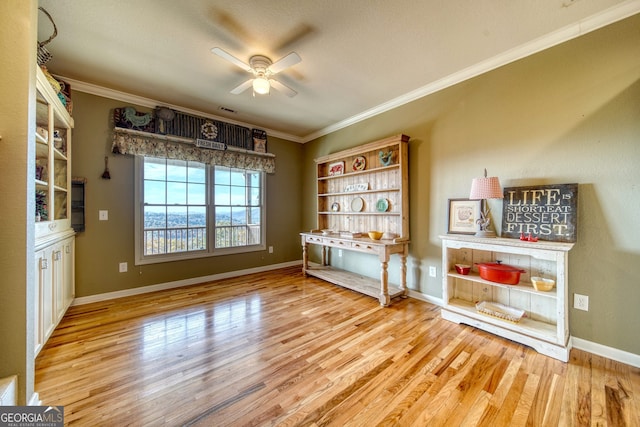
{"x":184,"y":203}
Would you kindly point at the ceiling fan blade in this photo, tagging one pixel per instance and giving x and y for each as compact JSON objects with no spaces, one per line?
{"x":226,"y":55}
{"x":281,"y":87}
{"x":233,"y":27}
{"x":294,"y":36}
{"x":242,"y":87}
{"x":285,"y":62}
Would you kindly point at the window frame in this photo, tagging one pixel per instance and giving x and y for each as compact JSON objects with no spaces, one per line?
{"x":142,"y":259}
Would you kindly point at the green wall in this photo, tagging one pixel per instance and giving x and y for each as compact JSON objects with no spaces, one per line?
{"x":104,"y":244}
{"x":568,"y":114}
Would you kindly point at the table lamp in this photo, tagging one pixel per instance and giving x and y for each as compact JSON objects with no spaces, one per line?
{"x":482,"y":189}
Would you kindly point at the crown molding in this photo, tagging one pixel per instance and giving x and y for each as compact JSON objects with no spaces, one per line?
{"x":577,"y":29}
{"x":142,"y":101}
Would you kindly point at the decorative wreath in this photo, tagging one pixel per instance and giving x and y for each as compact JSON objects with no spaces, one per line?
{"x":209,"y":130}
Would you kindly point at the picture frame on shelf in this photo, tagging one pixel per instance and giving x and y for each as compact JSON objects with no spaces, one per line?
{"x":336,"y":168}
{"x":259,"y":137}
{"x":463,"y":216}
{"x":260,"y":145}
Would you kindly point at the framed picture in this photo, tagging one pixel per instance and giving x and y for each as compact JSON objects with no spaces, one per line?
{"x":463,"y":216}
{"x":556,"y":212}
{"x":260,"y":145}
{"x":336,"y":168}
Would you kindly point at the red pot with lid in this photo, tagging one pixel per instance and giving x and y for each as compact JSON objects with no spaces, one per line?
{"x":500,"y":273}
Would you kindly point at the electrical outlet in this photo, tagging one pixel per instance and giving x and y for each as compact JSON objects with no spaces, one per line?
{"x":103,"y":215}
{"x":581,"y":302}
{"x":123,"y":267}
{"x":270,"y":249}
{"x":432,"y":271}
{"x":339,"y":252}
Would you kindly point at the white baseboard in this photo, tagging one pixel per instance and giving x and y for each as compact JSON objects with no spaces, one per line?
{"x":608,"y":352}
{"x":578,"y":343}
{"x":179,"y":283}
{"x":426,"y":298}
{"x":35,"y":400}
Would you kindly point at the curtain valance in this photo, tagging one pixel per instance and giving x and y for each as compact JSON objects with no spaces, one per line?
{"x":151,"y":145}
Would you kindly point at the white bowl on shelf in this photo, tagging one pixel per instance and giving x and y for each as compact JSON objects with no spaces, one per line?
{"x":542,"y":284}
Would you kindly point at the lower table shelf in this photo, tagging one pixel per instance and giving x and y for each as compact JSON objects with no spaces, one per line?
{"x":538,"y":335}
{"x":353,"y":281}
{"x":382,"y":249}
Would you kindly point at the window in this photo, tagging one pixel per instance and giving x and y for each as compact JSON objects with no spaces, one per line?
{"x":187,"y":209}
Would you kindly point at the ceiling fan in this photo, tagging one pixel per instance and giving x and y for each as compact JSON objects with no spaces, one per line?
{"x":263,"y":70}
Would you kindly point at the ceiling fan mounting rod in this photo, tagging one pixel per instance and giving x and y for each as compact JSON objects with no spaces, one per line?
{"x":260,"y":63}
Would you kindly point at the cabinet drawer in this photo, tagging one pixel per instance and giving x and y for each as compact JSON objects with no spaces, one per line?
{"x":329,"y":241}
{"x":313,"y":239}
{"x":364,"y":247}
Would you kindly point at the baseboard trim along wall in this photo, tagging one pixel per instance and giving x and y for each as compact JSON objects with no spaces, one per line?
{"x":579,"y":343}
{"x":179,"y":283}
{"x":608,"y":352}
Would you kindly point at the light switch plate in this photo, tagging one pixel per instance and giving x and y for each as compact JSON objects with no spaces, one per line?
{"x":103,"y":215}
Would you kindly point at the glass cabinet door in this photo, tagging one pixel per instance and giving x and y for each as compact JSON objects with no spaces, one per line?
{"x":52,"y":161}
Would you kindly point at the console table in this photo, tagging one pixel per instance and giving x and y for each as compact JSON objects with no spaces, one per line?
{"x":383,"y":249}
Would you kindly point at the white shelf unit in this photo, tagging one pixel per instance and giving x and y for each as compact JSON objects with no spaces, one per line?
{"x":545,"y":326}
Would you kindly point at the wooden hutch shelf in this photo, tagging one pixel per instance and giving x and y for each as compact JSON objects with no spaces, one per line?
{"x":362,"y":189}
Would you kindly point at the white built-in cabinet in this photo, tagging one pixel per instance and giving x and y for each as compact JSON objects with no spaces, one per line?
{"x":54,"y":237}
{"x":54,"y":290}
{"x":545,"y":326}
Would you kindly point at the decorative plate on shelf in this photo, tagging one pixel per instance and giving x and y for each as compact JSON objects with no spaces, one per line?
{"x":359,"y":163}
{"x":335,"y":206}
{"x":382,"y":205}
{"x":357,"y":204}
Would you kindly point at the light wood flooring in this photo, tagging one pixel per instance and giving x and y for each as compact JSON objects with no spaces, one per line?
{"x":279,"y":349}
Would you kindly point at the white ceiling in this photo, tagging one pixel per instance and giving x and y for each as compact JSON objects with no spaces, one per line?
{"x":359,"y":57}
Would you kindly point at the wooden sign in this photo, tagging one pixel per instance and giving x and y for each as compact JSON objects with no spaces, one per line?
{"x":548,"y":212}
{"x":213,"y":145}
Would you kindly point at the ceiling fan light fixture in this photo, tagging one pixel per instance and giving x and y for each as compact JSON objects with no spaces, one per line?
{"x":261,"y":85}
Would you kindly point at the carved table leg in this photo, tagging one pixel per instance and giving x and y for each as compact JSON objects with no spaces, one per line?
{"x":305,"y":259}
{"x":403,"y":274}
{"x":384,"y":284}
{"x":324,"y":255}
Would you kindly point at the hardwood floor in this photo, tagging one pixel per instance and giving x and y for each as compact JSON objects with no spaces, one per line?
{"x":280,"y":349}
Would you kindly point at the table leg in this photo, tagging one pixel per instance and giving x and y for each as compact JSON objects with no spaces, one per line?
{"x":305,"y":258}
{"x":403,"y":274}
{"x":384,"y":284}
